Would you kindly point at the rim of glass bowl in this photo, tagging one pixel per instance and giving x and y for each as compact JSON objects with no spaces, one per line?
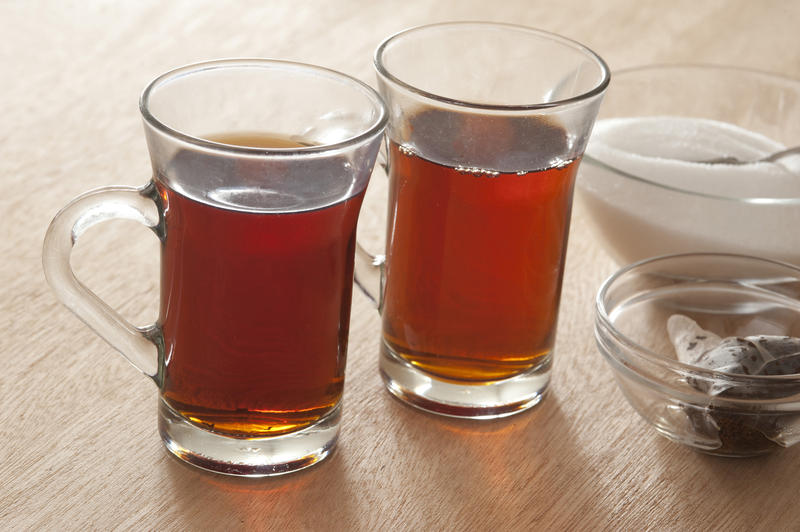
{"x":673,"y":365}
{"x":706,"y":67}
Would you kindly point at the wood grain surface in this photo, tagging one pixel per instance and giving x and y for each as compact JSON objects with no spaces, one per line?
{"x":79,"y":447}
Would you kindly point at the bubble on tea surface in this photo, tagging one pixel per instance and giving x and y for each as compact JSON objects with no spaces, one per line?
{"x":407,"y":150}
{"x":477,"y":172}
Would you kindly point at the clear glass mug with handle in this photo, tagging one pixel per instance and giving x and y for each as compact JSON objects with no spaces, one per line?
{"x":487,"y":125}
{"x":259,"y":170}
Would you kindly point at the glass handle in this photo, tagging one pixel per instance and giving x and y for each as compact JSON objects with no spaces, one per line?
{"x":369,"y":268}
{"x":369,"y":275}
{"x":137,"y":344}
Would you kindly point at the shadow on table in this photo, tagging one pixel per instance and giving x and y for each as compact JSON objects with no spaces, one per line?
{"x":757,"y":491}
{"x":207,"y":501}
{"x":418,"y":470}
{"x":511,"y":472}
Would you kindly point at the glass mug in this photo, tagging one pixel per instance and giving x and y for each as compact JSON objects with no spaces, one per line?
{"x":487,"y":125}
{"x":259,"y":170}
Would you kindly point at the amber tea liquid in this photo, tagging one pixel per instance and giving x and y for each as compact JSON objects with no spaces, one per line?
{"x":474,"y":266}
{"x":254,"y":307}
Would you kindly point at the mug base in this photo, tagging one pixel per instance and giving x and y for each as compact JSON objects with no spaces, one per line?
{"x":489,"y":400}
{"x":247,"y":457}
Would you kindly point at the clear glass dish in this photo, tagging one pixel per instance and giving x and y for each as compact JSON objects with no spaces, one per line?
{"x":731,"y":295}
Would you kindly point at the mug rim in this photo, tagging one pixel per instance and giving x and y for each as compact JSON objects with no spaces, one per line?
{"x":596,"y":90}
{"x":374,"y":128}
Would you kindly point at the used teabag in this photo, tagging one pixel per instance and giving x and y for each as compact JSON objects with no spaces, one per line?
{"x":750,"y":355}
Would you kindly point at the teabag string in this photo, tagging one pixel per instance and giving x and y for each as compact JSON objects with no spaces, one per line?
{"x":670,"y":150}
{"x":750,"y":355}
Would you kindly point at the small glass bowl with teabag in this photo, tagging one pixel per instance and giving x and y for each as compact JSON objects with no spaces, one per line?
{"x":706,"y":348}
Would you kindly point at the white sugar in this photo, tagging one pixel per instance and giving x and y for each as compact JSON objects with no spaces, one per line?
{"x":668,"y":150}
{"x":677,"y":204}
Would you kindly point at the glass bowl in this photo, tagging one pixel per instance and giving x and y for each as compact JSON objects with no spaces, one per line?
{"x":651,"y":208}
{"x":731,"y":295}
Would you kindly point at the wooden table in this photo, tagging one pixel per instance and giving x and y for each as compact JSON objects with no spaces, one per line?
{"x":78,"y":442}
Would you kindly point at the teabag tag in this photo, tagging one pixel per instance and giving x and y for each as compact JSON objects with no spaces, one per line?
{"x":751,"y":355}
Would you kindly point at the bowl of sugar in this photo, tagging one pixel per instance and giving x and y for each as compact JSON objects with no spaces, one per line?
{"x":675,"y":164}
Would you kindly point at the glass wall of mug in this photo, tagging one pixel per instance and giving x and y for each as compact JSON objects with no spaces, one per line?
{"x":487,"y":125}
{"x":259,"y":169}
